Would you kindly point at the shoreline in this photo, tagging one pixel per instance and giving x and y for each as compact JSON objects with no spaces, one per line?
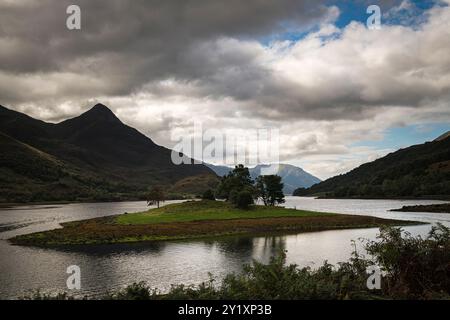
{"x":212,"y":237}
{"x":6,"y":205}
{"x":431,"y":198}
{"x":432,"y":208}
{"x":172,"y":223}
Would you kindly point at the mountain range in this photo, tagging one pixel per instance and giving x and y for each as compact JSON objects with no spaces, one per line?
{"x":91,"y":157}
{"x":96,"y":157}
{"x":419,"y":171}
{"x":293,"y":177}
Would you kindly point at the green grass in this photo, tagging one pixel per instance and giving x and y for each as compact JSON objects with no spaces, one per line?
{"x":195,"y":220}
{"x":208,"y":210}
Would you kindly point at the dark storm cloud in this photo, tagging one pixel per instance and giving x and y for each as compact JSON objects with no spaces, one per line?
{"x":152,"y":30}
{"x":212,"y":49}
{"x":126,"y":44}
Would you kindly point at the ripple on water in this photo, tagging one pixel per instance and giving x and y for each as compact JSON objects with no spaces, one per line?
{"x":109,"y":267}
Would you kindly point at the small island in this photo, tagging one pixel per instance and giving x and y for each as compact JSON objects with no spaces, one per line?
{"x":433,"y":208}
{"x":197,"y":219}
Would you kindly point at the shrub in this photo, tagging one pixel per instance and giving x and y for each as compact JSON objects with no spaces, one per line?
{"x":415,"y":267}
{"x":243,"y":200}
{"x":136,"y":291}
{"x":208,"y":195}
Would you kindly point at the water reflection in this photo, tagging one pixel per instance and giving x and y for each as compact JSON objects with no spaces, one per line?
{"x":160,"y":264}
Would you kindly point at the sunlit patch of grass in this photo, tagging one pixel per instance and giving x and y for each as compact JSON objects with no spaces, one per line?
{"x":195,"y":220}
{"x":209,"y":210}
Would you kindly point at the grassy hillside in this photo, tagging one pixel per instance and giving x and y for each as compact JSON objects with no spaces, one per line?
{"x":91,"y":157}
{"x":195,"y":185}
{"x":418,"y":171}
{"x":28,"y":174}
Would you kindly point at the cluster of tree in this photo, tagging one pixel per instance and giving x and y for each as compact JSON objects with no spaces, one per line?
{"x":239,"y":188}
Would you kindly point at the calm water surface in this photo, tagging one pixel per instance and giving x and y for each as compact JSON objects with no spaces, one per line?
{"x":108,"y":267}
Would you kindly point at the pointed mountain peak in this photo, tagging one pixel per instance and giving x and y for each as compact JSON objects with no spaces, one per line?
{"x":100,"y":112}
{"x":100,"y":108}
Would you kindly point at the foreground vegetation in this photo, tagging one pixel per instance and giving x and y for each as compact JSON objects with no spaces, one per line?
{"x":197,"y":219}
{"x":413,"y":268}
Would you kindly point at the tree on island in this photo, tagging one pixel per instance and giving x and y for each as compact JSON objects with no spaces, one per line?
{"x":244,"y":199}
{"x":270,"y":189}
{"x":238,"y":180}
{"x":237,"y":187}
{"x":208,"y":195}
{"x":155,"y":196}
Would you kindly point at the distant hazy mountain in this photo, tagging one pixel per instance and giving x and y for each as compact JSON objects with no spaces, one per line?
{"x":418,"y":171}
{"x":293,"y":177}
{"x":93,"y":156}
{"x":219,"y":170}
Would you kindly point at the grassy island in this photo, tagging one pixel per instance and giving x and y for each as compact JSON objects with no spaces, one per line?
{"x":196,"y":219}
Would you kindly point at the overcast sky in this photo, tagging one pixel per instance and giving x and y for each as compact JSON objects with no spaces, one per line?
{"x":340,"y":93}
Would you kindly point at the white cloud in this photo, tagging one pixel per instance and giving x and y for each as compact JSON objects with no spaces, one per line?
{"x":325,"y":92}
